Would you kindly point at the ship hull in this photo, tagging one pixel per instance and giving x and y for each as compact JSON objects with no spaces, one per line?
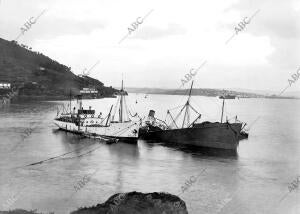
{"x":124,"y":132}
{"x":68,"y":127}
{"x":211,"y":135}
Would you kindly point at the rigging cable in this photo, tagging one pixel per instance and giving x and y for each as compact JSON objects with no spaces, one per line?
{"x":115,"y":109}
{"x":52,"y":158}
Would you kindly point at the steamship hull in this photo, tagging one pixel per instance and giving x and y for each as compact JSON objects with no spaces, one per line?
{"x":68,"y":126}
{"x":210,"y":135}
{"x":126,"y":132}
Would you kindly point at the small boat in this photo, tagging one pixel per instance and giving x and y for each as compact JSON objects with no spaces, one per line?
{"x":113,"y":128}
{"x":228,"y":96}
{"x":243,"y":135}
{"x":218,"y":135}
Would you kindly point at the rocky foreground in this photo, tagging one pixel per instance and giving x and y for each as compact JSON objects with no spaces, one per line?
{"x":130,"y":203}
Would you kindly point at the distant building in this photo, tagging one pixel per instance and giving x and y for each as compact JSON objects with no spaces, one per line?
{"x":5,"y":85}
{"x":88,"y":91}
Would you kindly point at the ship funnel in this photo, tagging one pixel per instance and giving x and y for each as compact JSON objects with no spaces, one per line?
{"x":151,"y":113}
{"x":151,"y":118}
{"x":79,"y":101}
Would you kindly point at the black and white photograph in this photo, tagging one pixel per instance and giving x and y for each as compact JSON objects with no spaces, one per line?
{"x":149,"y":107}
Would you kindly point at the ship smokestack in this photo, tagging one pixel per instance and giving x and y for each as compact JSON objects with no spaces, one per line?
{"x":151,"y":113}
{"x":79,"y":101}
{"x":151,"y":118}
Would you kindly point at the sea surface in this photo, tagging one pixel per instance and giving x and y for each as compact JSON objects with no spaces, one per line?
{"x":255,"y":180}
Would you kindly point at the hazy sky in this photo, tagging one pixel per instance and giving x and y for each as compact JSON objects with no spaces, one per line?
{"x":175,"y":37}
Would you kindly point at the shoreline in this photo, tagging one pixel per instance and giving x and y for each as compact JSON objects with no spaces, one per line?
{"x":51,"y":98}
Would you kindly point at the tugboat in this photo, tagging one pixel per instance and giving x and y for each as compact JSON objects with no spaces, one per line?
{"x":218,"y":135}
{"x":85,"y":123}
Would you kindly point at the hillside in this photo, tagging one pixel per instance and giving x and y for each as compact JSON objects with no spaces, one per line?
{"x":33,"y":74}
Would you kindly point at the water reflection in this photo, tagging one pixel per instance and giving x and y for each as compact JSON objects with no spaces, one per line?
{"x":195,"y":150}
{"x":123,"y":153}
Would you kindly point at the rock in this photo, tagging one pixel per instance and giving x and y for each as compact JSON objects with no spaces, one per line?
{"x":138,"y":203}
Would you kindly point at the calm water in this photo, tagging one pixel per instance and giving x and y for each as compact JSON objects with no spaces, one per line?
{"x":253,"y":181}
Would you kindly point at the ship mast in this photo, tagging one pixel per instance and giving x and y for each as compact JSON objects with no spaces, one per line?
{"x":108,"y":117}
{"x":70,"y":102}
{"x":223,"y":107}
{"x":187,"y":108}
{"x":121,"y":105}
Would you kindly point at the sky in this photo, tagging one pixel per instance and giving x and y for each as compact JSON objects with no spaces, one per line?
{"x":169,"y":39}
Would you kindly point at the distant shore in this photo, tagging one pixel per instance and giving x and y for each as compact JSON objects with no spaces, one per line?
{"x":52,"y":98}
{"x":207,"y":92}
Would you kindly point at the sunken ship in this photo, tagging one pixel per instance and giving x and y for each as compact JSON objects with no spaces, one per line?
{"x":218,"y":135}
